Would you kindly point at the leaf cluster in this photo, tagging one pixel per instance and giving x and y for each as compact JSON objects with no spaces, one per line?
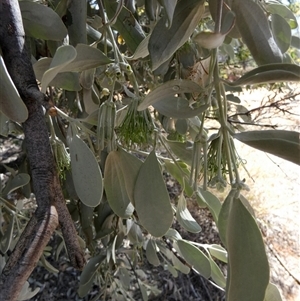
{"x":144,"y":84}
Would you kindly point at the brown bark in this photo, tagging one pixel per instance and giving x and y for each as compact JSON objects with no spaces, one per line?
{"x":51,"y":208}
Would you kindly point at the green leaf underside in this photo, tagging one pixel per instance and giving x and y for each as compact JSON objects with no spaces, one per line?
{"x":248,"y":264}
{"x":11,"y":103}
{"x":284,"y":144}
{"x":195,"y":258}
{"x":86,"y":173}
{"x":165,"y":41}
{"x":151,"y":198}
{"x":115,"y":187}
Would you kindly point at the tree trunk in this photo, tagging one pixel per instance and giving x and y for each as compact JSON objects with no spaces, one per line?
{"x":51,"y":209}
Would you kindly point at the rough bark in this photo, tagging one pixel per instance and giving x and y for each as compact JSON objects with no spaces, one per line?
{"x":51,"y":208}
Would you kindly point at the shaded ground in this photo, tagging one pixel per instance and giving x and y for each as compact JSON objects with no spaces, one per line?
{"x":63,"y":286}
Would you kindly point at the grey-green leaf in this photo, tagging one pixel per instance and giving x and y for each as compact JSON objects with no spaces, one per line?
{"x":126,"y":24}
{"x":218,"y":252}
{"x":284,"y":144}
{"x":66,"y":80}
{"x":151,"y":197}
{"x":170,"y":88}
{"x":178,"y":107}
{"x":195,"y":258}
{"x":253,"y":25}
{"x":224,"y":215}
{"x":212,"y":202}
{"x":18,"y":181}
{"x":268,"y":74}
{"x":272,"y":293}
{"x":87,"y":57}
{"x":41,"y":22}
{"x":185,"y":218}
{"x":248,"y":263}
{"x":169,"y":6}
{"x":11,"y":103}
{"x":151,"y":253}
{"x":217,"y":275}
{"x":165,"y":41}
{"x":115,"y":187}
{"x":283,"y":11}
{"x":282,"y":32}
{"x":183,"y":150}
{"x":86,"y":173}
{"x":63,"y":56}
{"x":130,"y":166}
{"x":88,"y":274}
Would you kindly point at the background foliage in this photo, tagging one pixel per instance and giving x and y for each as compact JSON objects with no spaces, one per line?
{"x":135,"y":85}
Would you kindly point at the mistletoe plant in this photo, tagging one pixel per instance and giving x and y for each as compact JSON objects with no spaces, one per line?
{"x":133,"y":85}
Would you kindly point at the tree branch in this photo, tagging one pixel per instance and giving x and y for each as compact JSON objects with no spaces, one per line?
{"x":51,"y":205}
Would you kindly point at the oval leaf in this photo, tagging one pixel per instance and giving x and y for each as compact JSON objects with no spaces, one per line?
{"x":284,"y":144}
{"x":183,"y":150}
{"x":42,"y":22}
{"x":87,"y":57}
{"x":170,"y":88}
{"x":248,"y":263}
{"x":151,"y":253}
{"x":209,"y":40}
{"x":224,"y":215}
{"x":86,"y":173}
{"x":212,"y":202}
{"x":185,"y":218}
{"x":115,"y":188}
{"x":268,"y":74}
{"x":169,"y":6}
{"x":18,"y":181}
{"x":11,"y":103}
{"x":272,"y":293}
{"x":283,"y":11}
{"x":282,"y":32}
{"x":253,"y":25}
{"x":88,"y":274}
{"x":165,"y":41}
{"x":218,"y":252}
{"x":63,"y":56}
{"x":217,"y":275}
{"x":126,"y":24}
{"x":151,"y":197}
{"x":178,"y":107}
{"x":130,"y":165}
{"x":195,"y":258}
